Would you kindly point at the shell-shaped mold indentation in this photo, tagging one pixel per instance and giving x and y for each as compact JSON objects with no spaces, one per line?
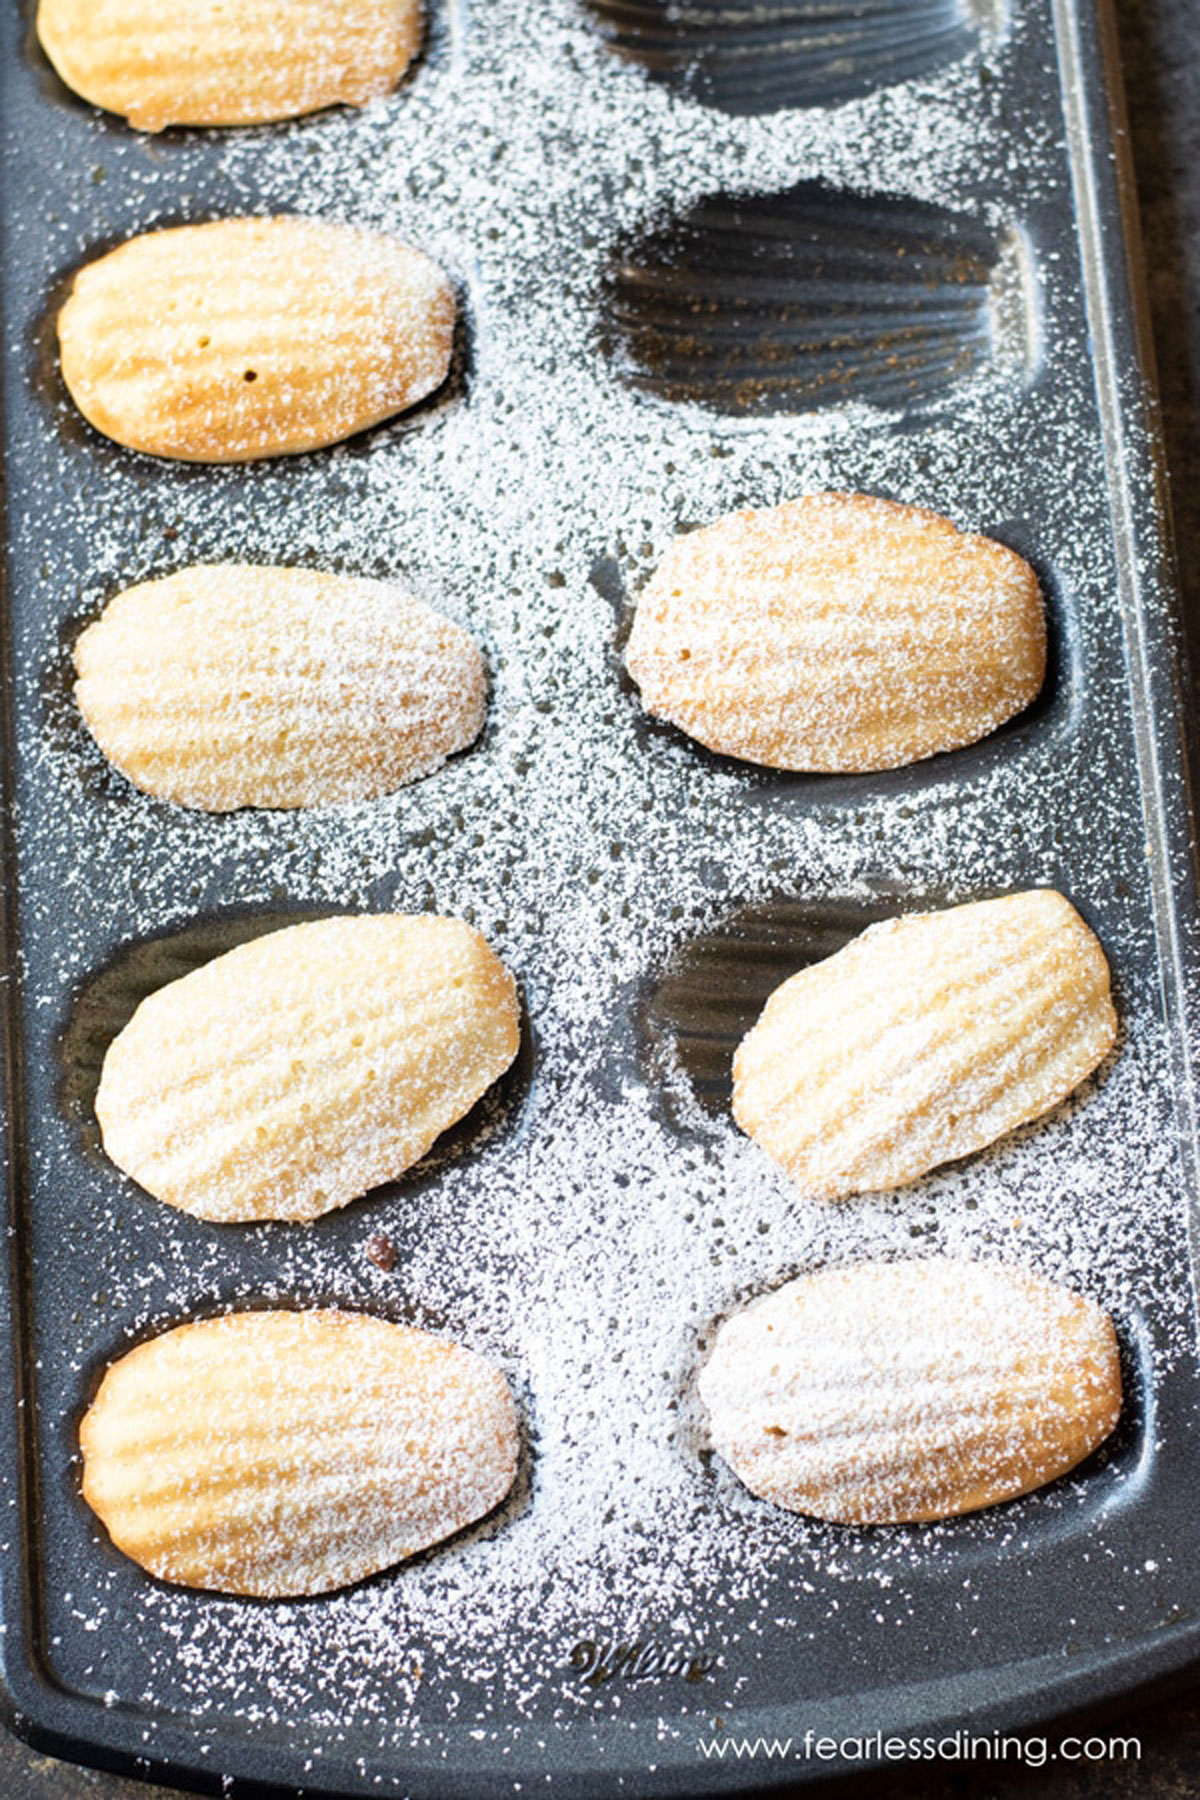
{"x":228,"y":62}
{"x":304,"y":1068}
{"x":288,"y":1453}
{"x":898,"y":1392}
{"x":228,"y":685}
{"x":780,"y":53}
{"x":814,"y":297}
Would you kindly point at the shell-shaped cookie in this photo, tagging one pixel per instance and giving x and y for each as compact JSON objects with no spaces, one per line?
{"x":838,"y":633}
{"x":227,"y":62}
{"x":281,"y":1453}
{"x":302,"y":1069}
{"x":893,"y":1392}
{"x":925,"y":1038}
{"x":230,"y":685}
{"x":246,"y":338}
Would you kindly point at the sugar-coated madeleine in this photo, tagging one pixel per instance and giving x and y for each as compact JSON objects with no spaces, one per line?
{"x":287,"y":1453}
{"x":925,"y":1038}
{"x":246,"y":338}
{"x":896,"y":1392}
{"x":289,"y":1076}
{"x":231,"y":685}
{"x":228,"y":62}
{"x":838,"y":632}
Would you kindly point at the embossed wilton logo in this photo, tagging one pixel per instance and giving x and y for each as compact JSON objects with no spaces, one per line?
{"x":639,"y":1661}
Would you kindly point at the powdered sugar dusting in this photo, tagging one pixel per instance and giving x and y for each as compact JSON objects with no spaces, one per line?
{"x":927,"y":1037}
{"x":277,"y":1453}
{"x":205,"y":62}
{"x":243,"y":338}
{"x":305,"y":1068}
{"x":911,"y":1390}
{"x":590,"y":1243}
{"x":232,"y":685}
{"x":837,"y":633}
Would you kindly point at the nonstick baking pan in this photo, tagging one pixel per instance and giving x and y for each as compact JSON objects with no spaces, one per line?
{"x":700,"y":267}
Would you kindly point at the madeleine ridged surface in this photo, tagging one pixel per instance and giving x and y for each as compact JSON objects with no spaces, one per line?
{"x":893,"y":1392}
{"x":227,"y":62}
{"x":280,"y":1453}
{"x":246,"y":338}
{"x":925,"y":1038}
{"x":302,"y":1069}
{"x":838,"y":632}
{"x":229,"y":685}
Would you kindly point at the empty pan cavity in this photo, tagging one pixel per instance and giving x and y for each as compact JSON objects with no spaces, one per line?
{"x":816,"y":297}
{"x":748,"y":59}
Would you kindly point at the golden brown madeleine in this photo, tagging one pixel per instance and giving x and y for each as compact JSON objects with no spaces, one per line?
{"x":227,"y":62}
{"x":231,"y":685}
{"x":927,"y":1037}
{"x":838,"y":632}
{"x":892,"y":1392}
{"x":246,"y":338}
{"x":278,"y":1453}
{"x":291,"y":1075}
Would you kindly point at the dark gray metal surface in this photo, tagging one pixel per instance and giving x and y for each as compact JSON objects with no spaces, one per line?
{"x":1022,"y":1693}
